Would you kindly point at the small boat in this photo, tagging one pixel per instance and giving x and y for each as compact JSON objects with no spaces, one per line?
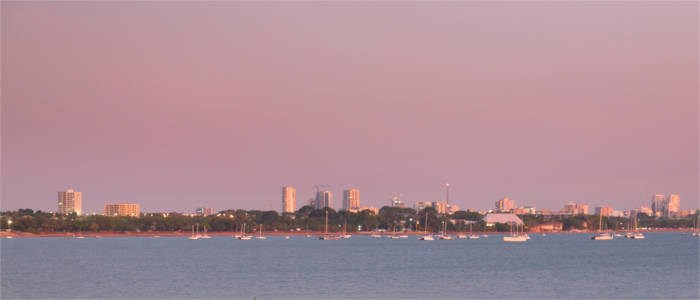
{"x":444,"y":235}
{"x":462,"y":236}
{"x":260,"y":236}
{"x":393,"y":237}
{"x":205,"y":236}
{"x":544,"y":234}
{"x":472,"y":236}
{"x":601,"y":236}
{"x":403,"y":236}
{"x":637,"y":236}
{"x":80,"y":237}
{"x":244,"y":236}
{"x":286,"y":237}
{"x":426,"y":237}
{"x":195,"y":236}
{"x":347,"y":236}
{"x":376,"y":235}
{"x":325,"y":236}
{"x":618,"y":235}
{"x":8,"y":237}
{"x":484,"y":235}
{"x":515,"y":236}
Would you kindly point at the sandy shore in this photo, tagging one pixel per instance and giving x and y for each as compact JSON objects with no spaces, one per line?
{"x":17,"y":234}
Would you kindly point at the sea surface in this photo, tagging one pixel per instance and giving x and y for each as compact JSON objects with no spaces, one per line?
{"x":664,"y":265}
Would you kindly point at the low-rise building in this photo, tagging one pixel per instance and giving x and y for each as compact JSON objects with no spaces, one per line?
{"x":123,"y":210}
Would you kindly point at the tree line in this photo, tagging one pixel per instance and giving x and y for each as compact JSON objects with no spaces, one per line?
{"x":308,"y":218}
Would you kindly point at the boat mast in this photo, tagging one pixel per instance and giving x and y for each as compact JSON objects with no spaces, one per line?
{"x":326,"y":220}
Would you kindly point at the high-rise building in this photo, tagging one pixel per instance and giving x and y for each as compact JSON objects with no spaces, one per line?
{"x":289,"y":199}
{"x":673,"y":205}
{"x":122,"y":209}
{"x":605,"y":211}
{"x":505,"y":204}
{"x":323,"y":199}
{"x":657,"y":204}
{"x":351,"y":199}
{"x":204,"y":211}
{"x":70,"y":202}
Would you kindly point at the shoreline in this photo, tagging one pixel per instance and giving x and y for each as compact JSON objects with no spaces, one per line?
{"x":93,"y":234}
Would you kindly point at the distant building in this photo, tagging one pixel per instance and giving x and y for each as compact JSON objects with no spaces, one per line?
{"x":451,"y":208}
{"x":673,"y":205}
{"x":395,"y":202}
{"x":548,"y":227}
{"x":323,"y":199}
{"x":289,"y":199}
{"x":351,"y":199}
{"x":204,"y":211}
{"x":528,"y":210}
{"x":440,"y":207}
{"x":646,"y":210}
{"x":70,"y":202}
{"x":421,"y":205}
{"x":575,"y":209}
{"x":605,"y":211}
{"x":686,"y":212}
{"x":122,"y":209}
{"x":360,"y":209}
{"x":505,"y":204}
{"x":657,"y":205}
{"x":492,"y":218}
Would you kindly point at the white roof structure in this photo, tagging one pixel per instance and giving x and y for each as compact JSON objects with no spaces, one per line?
{"x":494,"y":218}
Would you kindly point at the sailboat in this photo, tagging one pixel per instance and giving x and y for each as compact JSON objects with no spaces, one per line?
{"x":601,"y":236}
{"x":260,"y":236}
{"x":195,"y":236}
{"x":345,"y":231}
{"x":426,"y":237}
{"x":244,"y":236}
{"x":325,"y":235}
{"x":636,"y":235}
{"x":471,"y":233}
{"x":696,"y":232}
{"x":444,"y":235}
{"x":205,"y":236}
{"x":514,"y":236}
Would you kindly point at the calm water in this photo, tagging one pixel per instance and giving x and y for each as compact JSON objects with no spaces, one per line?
{"x":664,"y":265}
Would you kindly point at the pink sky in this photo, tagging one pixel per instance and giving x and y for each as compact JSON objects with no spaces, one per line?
{"x":175,"y":105}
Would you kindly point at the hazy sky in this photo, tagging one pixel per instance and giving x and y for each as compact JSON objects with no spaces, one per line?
{"x":175,"y":105}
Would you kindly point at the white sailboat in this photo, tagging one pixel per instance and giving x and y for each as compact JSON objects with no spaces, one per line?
{"x":260,"y":236}
{"x":195,"y":235}
{"x":514,"y":236}
{"x":325,"y":235}
{"x":472,"y":236}
{"x":244,"y":236}
{"x":444,"y":235}
{"x":636,"y":235}
{"x":205,"y":235}
{"x":426,"y":237}
{"x":601,"y":236}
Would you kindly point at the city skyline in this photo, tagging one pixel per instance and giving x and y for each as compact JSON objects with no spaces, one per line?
{"x":544,"y":104}
{"x":660,"y":205}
